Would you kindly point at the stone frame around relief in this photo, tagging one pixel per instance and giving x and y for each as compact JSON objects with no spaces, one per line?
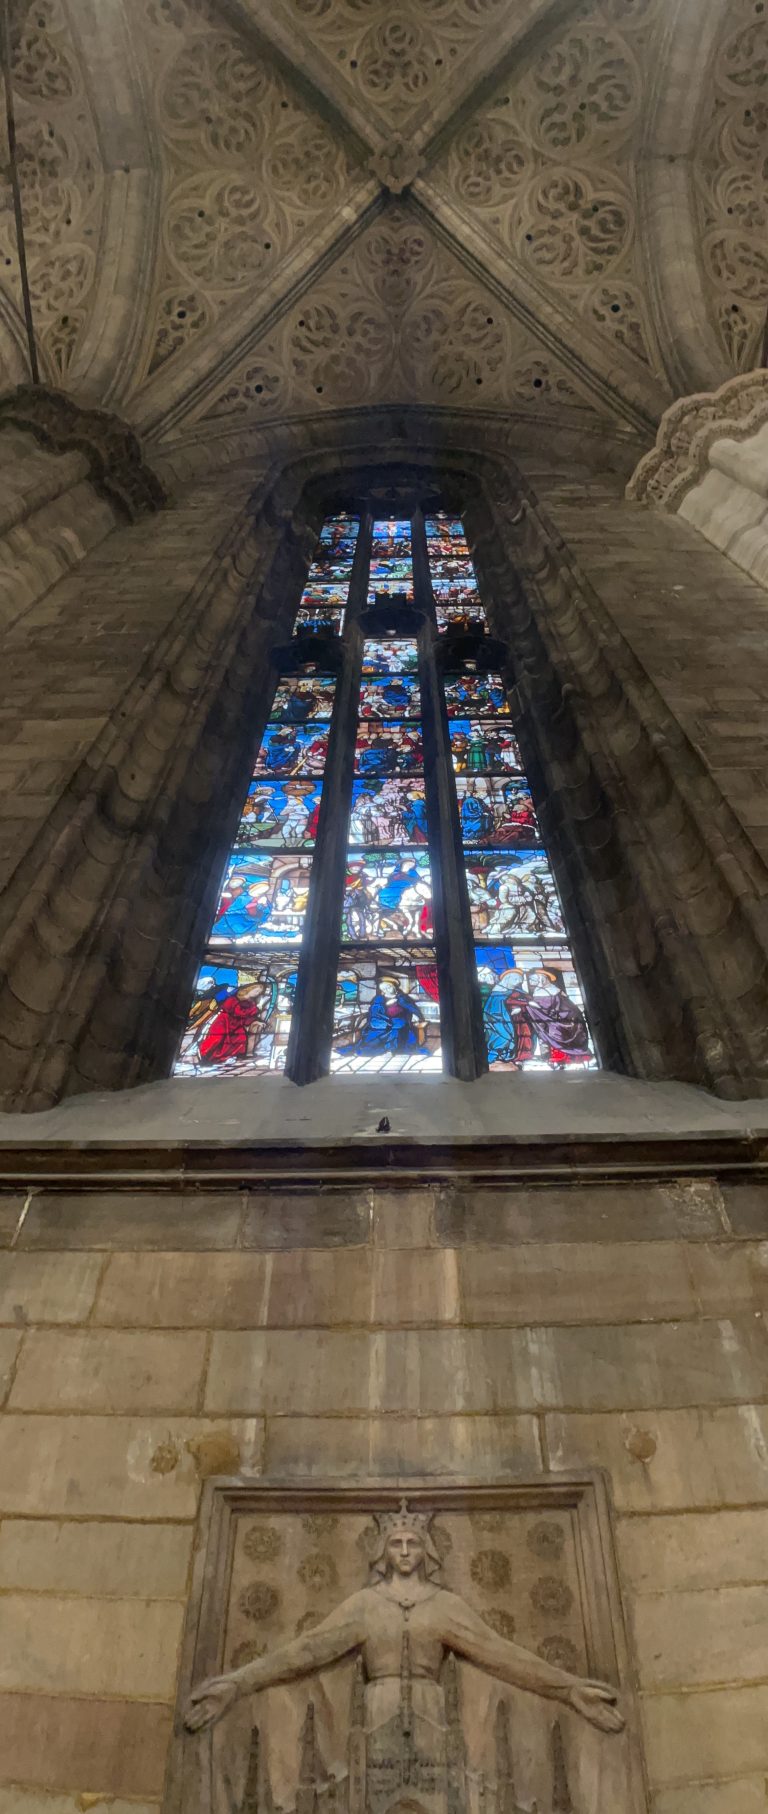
{"x":582,"y":1496}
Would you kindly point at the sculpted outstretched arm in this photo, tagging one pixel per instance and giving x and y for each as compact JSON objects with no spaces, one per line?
{"x":343,"y":1631}
{"x":468,"y":1635}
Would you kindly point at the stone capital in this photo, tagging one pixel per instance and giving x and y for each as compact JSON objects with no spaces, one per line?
{"x":687,"y":432}
{"x":117,"y":466}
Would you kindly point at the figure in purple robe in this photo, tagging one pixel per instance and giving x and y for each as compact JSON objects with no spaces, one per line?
{"x":557,"y":1020}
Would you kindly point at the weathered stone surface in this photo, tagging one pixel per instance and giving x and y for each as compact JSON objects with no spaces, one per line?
{"x":730,"y":1277}
{"x":702,"y":1638}
{"x":108,"y":1370}
{"x":404,"y":1218}
{"x":353,"y":1448}
{"x":114,"y":1647}
{"x":742,"y":1795}
{"x":746,"y":1209}
{"x":113,"y":1747}
{"x":43,"y":1288}
{"x":575,"y":1282}
{"x":34,"y":1801}
{"x":446,"y":1372}
{"x":665,"y":1555}
{"x":306,"y":1219}
{"x":660,"y":1460}
{"x":9,"y":1348}
{"x":11,"y":1207}
{"x":145,"y":1561}
{"x":610,"y":1212}
{"x":693,"y":1737}
{"x":133,"y":1220}
{"x":107,"y":1467}
{"x":304,"y":1287}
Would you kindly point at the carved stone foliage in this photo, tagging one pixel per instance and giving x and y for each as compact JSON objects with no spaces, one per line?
{"x":397,"y":56}
{"x":249,"y":170}
{"x":116,"y":464}
{"x":434,"y":1615}
{"x":61,"y":182}
{"x":547,"y":167}
{"x":689,"y":429}
{"x":732,"y":183}
{"x":396,"y":319}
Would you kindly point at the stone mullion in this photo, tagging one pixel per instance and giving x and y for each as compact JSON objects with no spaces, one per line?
{"x":461,"y":1019}
{"x":309,"y":1044}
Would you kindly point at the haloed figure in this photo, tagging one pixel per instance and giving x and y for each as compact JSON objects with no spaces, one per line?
{"x":405,"y":1595}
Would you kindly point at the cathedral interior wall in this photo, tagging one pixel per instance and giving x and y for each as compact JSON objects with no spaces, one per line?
{"x":156,"y":1335}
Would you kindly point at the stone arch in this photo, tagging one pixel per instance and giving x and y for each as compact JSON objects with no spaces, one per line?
{"x":99,"y":953}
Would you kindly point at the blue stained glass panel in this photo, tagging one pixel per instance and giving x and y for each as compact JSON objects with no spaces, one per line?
{"x":533,"y":1009}
{"x":496,"y":812}
{"x":319,"y":622}
{"x":281,"y":815}
{"x":387,"y":1012}
{"x":390,"y":696}
{"x":391,"y":568}
{"x":302,"y":698}
{"x":483,"y":747}
{"x":476,"y":695}
{"x":388,"y":749}
{"x":263,"y":899}
{"x":292,"y":750}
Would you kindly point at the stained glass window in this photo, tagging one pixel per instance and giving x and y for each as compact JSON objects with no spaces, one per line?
{"x":387,"y":1012}
{"x":244,"y":996}
{"x":388,"y":894}
{"x":532,"y":1006}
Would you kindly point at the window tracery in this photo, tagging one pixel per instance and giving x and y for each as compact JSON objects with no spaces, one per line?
{"x":388,"y":905}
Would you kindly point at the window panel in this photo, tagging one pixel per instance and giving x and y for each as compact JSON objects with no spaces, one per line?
{"x":388,"y":749}
{"x":240,"y":1016}
{"x":391,"y":657}
{"x":389,"y":812}
{"x":304,"y":697}
{"x":387,"y":1012}
{"x":390,"y":696}
{"x":388,"y":896}
{"x":391,"y":568}
{"x":533,"y":1009}
{"x":483,"y":747}
{"x":280,"y":815}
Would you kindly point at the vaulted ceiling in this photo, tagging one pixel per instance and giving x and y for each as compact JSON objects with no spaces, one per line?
{"x":238,"y":211}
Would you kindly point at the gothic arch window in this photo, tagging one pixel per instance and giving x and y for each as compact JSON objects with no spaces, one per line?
{"x":389,"y":905}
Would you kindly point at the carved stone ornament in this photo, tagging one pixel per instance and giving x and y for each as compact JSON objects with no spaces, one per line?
{"x":396,"y":166}
{"x":689,"y":429}
{"x":117,"y":467}
{"x":456,"y":1652}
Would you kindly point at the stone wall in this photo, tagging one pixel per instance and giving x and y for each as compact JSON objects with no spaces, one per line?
{"x":152,"y":1338}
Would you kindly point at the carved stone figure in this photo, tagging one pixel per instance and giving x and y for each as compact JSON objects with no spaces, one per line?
{"x":406,"y":1631}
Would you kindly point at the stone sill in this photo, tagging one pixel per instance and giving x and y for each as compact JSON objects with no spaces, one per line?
{"x":237,"y":1128}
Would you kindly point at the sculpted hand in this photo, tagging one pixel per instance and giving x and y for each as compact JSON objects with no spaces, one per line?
{"x":597,"y":1702}
{"x":209,"y":1702}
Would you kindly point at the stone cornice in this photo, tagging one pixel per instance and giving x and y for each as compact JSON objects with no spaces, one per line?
{"x":687,"y":432}
{"x":117,"y":466}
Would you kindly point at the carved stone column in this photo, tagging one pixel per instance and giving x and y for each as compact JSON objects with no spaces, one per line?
{"x":710,"y":466}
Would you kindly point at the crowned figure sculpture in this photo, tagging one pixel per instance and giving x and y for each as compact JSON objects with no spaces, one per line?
{"x":405,"y":1632}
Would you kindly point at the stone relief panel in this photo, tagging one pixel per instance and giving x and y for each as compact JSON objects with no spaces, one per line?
{"x":546,"y":165}
{"x":396,"y":319}
{"x":61,"y":180}
{"x":397,"y":56}
{"x":248,"y":170}
{"x":454,"y":1652}
{"x":731,"y":177}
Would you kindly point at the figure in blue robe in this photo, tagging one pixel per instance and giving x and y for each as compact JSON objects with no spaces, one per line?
{"x":476,"y":819}
{"x":389,"y":1025}
{"x":397,"y":884}
{"x":414,"y":814}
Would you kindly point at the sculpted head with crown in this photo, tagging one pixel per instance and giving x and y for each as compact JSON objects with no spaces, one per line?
{"x":406,"y":1548}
